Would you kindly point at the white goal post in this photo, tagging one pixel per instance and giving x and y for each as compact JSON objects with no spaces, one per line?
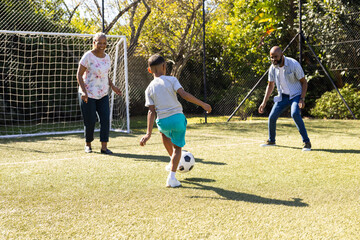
{"x":38,"y":86}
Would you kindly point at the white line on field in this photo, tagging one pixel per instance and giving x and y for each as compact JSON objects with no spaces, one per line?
{"x":229,"y":137}
{"x":36,"y":161}
{"x":239,"y":139}
{"x":231,"y":144}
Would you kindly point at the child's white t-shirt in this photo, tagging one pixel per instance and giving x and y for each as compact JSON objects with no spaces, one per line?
{"x":96,"y":75}
{"x":161,"y":92}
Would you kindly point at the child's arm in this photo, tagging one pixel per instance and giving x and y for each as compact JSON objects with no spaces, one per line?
{"x":190,"y":98}
{"x":150,"y":124}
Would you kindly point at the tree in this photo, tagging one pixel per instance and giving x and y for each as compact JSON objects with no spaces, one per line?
{"x":239,"y":39}
{"x":135,"y":32}
{"x":33,"y":15}
{"x":248,"y":29}
{"x":334,"y":30}
{"x":122,"y":13}
{"x":173,"y":29}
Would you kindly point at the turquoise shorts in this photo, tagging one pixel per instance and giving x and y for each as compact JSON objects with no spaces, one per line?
{"x":174,"y":127}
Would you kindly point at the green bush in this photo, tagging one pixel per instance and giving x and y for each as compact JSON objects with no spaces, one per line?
{"x":246,"y":109}
{"x":330,"y":105}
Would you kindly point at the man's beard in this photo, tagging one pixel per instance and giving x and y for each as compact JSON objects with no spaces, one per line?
{"x":277,"y":63}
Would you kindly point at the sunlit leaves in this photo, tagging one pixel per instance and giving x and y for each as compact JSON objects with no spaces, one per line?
{"x":245,"y":27}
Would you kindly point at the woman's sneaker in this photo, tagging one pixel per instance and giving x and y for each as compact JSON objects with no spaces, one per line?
{"x":107,"y":151}
{"x":268,"y":144}
{"x":307,"y":146}
{"x":88,"y":149}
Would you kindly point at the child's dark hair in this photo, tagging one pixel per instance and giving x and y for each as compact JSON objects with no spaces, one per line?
{"x":155,"y":59}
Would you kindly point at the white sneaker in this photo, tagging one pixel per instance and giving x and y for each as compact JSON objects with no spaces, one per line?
{"x":172,"y":182}
{"x":88,"y":149}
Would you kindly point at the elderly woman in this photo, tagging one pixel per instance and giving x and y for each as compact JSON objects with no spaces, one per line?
{"x":94,"y":84}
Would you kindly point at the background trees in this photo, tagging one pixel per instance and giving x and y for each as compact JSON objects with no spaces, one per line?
{"x":239,"y":35}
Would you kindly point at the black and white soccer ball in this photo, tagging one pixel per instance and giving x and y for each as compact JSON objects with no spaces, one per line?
{"x":187,"y":162}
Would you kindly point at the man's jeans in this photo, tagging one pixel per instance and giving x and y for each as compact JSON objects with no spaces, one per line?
{"x":280,"y":107}
{"x":89,"y":110}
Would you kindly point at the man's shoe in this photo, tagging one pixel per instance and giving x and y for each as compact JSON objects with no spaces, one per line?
{"x":172,"y":182}
{"x":268,"y":144}
{"x":307,"y":146}
{"x":107,"y":151}
{"x":88,"y":149}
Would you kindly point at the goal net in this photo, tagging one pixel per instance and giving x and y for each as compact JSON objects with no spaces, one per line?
{"x":38,"y":86}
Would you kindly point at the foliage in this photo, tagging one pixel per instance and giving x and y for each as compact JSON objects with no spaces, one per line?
{"x":333,"y":30}
{"x":52,"y":9}
{"x":85,"y":25}
{"x":31,"y":85}
{"x":247,"y":108}
{"x":239,"y":39}
{"x":31,"y":15}
{"x":121,"y":20}
{"x":324,"y":20}
{"x":174,"y":29}
{"x":247,"y":30}
{"x":239,"y":35}
{"x":331,"y":106}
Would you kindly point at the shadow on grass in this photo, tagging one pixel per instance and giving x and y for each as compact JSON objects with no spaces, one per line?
{"x":239,"y":196}
{"x":142,"y":157}
{"x":157,"y":158}
{"x":356,"y":151}
{"x":338,"y":150}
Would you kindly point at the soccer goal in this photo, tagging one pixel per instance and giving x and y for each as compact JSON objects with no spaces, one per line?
{"x":38,"y":86}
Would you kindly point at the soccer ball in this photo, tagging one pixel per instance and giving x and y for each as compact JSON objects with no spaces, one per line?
{"x":187,"y":162}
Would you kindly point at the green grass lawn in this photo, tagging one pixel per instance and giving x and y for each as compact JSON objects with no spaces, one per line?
{"x":51,"y":189}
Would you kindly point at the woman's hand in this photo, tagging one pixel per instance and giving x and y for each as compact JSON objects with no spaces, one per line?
{"x":84,"y":97}
{"x":116,"y":90}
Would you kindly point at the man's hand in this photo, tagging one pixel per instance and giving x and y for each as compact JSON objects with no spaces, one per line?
{"x":262,"y":107}
{"x":144,"y":139}
{"x":301,"y":103}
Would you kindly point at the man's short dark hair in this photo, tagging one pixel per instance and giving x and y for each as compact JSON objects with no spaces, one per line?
{"x":155,"y":60}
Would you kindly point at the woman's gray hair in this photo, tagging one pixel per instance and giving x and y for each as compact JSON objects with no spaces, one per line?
{"x":98,"y":35}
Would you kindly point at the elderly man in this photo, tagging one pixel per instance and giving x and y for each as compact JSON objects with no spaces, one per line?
{"x":291,"y":85}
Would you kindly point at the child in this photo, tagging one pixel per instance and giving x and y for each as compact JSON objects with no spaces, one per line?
{"x":160,"y":97}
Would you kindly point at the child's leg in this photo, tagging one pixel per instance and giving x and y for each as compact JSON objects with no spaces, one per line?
{"x":167,"y":144}
{"x":171,"y":179}
{"x":175,"y":159}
